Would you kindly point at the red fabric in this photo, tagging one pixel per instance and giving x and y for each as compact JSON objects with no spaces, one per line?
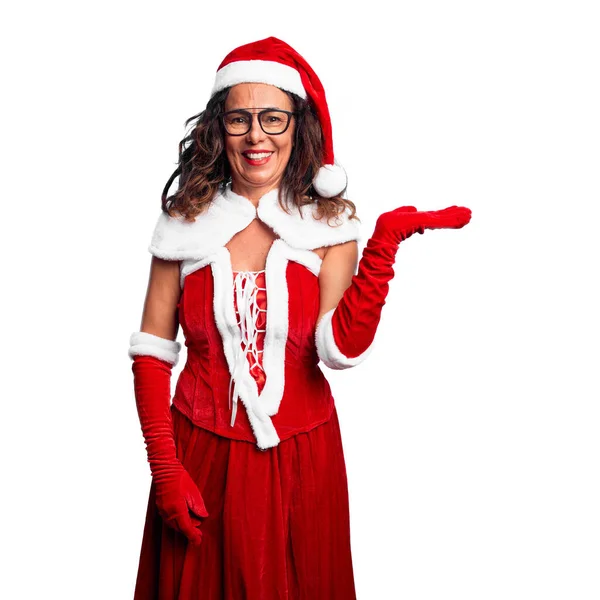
{"x":177,"y":497}
{"x":278,"y":524}
{"x":202,"y":390}
{"x":357,"y":315}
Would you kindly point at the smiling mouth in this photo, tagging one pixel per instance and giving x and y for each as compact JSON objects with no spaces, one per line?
{"x":257,"y":159}
{"x":257,"y":155}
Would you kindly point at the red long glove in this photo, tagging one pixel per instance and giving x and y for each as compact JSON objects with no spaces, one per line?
{"x":178,"y":499}
{"x":345,"y":334}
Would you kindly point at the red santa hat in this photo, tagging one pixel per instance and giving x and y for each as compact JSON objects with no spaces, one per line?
{"x":274,"y":62}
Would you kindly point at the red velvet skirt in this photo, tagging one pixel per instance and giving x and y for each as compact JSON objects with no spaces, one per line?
{"x":278,"y":525}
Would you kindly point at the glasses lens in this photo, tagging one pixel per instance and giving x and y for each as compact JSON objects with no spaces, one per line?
{"x":236,"y":122}
{"x":274,"y":121}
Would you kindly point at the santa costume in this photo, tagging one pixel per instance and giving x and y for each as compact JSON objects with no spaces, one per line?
{"x":247,"y":462}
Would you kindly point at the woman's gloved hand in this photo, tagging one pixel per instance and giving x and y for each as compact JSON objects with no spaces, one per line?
{"x":397,"y":225}
{"x":345,"y":334}
{"x":178,"y":499}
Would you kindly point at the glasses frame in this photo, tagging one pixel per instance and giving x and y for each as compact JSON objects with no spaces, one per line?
{"x":258,"y":114}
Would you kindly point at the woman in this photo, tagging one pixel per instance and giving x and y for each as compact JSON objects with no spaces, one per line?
{"x":255,"y":256}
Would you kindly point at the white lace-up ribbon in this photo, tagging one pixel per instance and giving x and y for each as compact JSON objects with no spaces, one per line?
{"x":245,"y":290}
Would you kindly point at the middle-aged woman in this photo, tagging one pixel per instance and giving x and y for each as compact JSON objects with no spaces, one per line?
{"x":255,"y":255}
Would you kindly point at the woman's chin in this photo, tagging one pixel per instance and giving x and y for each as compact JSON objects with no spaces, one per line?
{"x":259,"y":178}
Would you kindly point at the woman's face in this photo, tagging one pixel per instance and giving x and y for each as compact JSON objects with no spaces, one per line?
{"x":254,"y":176}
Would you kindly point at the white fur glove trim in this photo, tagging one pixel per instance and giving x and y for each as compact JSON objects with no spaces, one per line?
{"x":328,"y":350}
{"x":148,"y":344}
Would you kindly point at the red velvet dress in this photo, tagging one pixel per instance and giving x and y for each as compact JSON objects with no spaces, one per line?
{"x":253,"y":415}
{"x":278,"y":525}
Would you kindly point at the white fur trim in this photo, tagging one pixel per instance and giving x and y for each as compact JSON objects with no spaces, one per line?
{"x":304,"y":231}
{"x":276,"y":328}
{"x":189,"y":266}
{"x":148,"y":344}
{"x":176,"y":239}
{"x":259,"y":71}
{"x":330,"y":180}
{"x":328,"y":350}
{"x":311,"y":260}
{"x":228,"y":213}
{"x":277,"y":325}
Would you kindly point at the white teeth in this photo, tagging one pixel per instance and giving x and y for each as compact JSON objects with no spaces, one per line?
{"x":258,"y":156}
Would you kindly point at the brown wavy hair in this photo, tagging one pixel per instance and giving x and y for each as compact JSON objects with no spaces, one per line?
{"x":203,"y":167}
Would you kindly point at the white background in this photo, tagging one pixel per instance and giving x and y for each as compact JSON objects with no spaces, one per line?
{"x":471,"y":433}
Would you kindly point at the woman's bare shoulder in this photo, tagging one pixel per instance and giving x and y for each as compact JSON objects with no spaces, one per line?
{"x":341,"y":253}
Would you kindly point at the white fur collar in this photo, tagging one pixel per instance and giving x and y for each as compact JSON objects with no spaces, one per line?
{"x":229,"y":213}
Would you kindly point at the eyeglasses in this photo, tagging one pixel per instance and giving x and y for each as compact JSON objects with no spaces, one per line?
{"x":272,"y":121}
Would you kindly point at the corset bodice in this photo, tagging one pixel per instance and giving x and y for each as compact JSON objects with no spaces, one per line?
{"x":275,"y":372}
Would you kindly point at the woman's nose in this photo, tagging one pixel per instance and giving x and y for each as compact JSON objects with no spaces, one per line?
{"x":256,"y":133}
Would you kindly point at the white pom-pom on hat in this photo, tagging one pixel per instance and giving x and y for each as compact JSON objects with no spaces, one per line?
{"x":274,"y":62}
{"x":331,"y":180}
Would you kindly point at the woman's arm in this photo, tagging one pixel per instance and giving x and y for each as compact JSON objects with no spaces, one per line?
{"x":345,"y":333}
{"x":160,"y":307}
{"x":335,"y":276}
{"x":154,"y":351}
{"x":338,"y":270}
